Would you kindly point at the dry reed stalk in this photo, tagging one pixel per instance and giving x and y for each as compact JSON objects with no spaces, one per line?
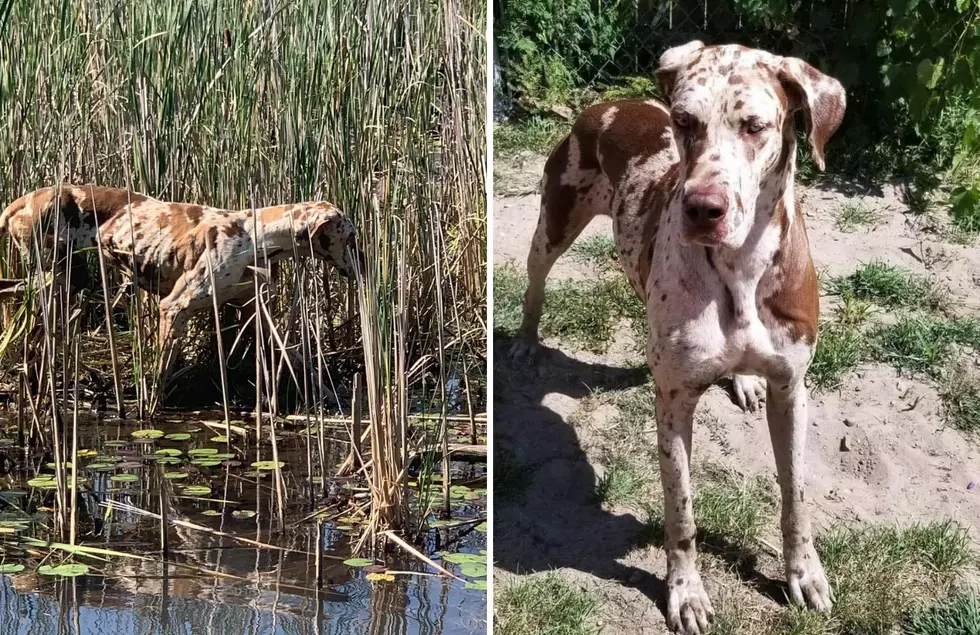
{"x":217,"y":334}
{"x":110,"y":334}
{"x":74,"y":446}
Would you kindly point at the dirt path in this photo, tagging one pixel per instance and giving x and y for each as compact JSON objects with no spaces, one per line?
{"x":902,"y":465}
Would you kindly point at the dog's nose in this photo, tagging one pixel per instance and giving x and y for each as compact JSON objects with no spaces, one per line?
{"x":705,"y":204}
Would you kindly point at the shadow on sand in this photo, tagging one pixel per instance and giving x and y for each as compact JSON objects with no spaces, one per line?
{"x":546,"y":515}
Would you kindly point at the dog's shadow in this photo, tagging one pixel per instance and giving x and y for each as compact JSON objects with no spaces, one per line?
{"x":546,"y":515}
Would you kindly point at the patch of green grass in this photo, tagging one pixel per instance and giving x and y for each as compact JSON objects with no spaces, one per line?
{"x":622,"y":483}
{"x":956,"y":615}
{"x":545,"y":605}
{"x":890,"y":287}
{"x":797,"y":620}
{"x":598,"y":251}
{"x":840,"y":349}
{"x":923,"y":343}
{"x":960,"y":393}
{"x":850,"y":217}
{"x":731,"y":509}
{"x":853,"y":311}
{"x":881,"y":573}
{"x":509,"y":285}
{"x":534,"y":134}
{"x":584,"y":313}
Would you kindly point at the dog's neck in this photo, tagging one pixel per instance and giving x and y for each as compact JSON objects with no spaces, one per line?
{"x":742,"y":268}
{"x":771,"y":223}
{"x":276,"y":230}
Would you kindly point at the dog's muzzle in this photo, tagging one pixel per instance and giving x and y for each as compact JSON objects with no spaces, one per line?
{"x":705,"y":208}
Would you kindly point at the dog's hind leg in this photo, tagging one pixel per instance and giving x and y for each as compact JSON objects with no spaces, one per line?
{"x":571,"y":197}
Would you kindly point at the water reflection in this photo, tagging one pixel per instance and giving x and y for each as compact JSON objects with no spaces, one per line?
{"x":189,"y":605}
{"x":262,"y":591}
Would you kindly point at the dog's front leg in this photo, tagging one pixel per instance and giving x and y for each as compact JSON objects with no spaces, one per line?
{"x":688,"y":606}
{"x":787,"y":415}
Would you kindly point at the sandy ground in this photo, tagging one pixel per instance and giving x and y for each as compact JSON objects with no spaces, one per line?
{"x":902,"y":466}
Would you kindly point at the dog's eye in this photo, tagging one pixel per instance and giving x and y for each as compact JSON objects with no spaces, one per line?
{"x":754,"y":126}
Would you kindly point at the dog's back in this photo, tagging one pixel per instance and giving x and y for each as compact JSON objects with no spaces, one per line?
{"x":619,"y":160}
{"x":77,"y":210}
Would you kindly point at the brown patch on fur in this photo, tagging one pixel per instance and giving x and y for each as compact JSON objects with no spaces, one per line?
{"x":556,"y":198}
{"x":79,"y":205}
{"x":794,"y":300}
{"x":233,"y":229}
{"x":637,"y":130}
{"x":272,"y":214}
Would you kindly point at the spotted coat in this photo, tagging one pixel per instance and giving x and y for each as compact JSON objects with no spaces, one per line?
{"x":175,"y":249}
{"x":712,"y":238}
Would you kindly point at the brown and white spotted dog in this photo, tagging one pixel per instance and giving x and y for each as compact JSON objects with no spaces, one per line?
{"x":64,"y":220}
{"x":169,"y":247}
{"x":711,"y":235}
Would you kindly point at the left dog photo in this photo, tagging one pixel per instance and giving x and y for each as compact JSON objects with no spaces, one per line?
{"x":243,"y":294}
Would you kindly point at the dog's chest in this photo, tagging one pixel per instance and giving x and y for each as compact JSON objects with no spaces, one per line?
{"x":707,"y":320}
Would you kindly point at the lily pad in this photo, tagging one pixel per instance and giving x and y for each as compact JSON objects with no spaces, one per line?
{"x":221,"y":438}
{"x":11,"y":568}
{"x":174,"y":476}
{"x":205,"y":462}
{"x":380,"y":577}
{"x":202,"y":451}
{"x":43,"y":482}
{"x":149,"y":433}
{"x":464,"y":558}
{"x":211,"y":512}
{"x":67,"y":570}
{"x":168,"y":460}
{"x":358,"y":562}
{"x":268,"y":465}
{"x":482,"y":527}
{"x":168,"y":452}
{"x":473,"y":570}
{"x":101,"y":467}
{"x":124,"y":478}
{"x":177,"y":436}
{"x":479,"y":585}
{"x":196,"y":490}
{"x":243,"y":513}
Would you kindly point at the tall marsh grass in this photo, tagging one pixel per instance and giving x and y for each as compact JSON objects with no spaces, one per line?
{"x":378,"y":107}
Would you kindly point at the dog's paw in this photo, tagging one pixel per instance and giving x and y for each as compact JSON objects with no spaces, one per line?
{"x":750,"y":391}
{"x":688,"y":607}
{"x":808,"y":584}
{"x":524,"y":349}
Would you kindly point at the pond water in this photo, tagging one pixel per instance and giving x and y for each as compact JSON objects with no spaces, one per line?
{"x":213,"y":580}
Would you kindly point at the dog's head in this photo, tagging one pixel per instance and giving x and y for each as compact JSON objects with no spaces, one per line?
{"x":331,"y":237}
{"x":732,"y":112}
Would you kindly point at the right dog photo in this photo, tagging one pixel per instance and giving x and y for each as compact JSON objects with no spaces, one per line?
{"x":736,"y":316}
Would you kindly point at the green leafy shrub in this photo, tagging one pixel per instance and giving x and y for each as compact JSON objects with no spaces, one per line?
{"x":911,"y":68}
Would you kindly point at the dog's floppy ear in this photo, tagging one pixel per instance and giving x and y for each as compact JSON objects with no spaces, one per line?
{"x":820,"y":97}
{"x":673,"y":60}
